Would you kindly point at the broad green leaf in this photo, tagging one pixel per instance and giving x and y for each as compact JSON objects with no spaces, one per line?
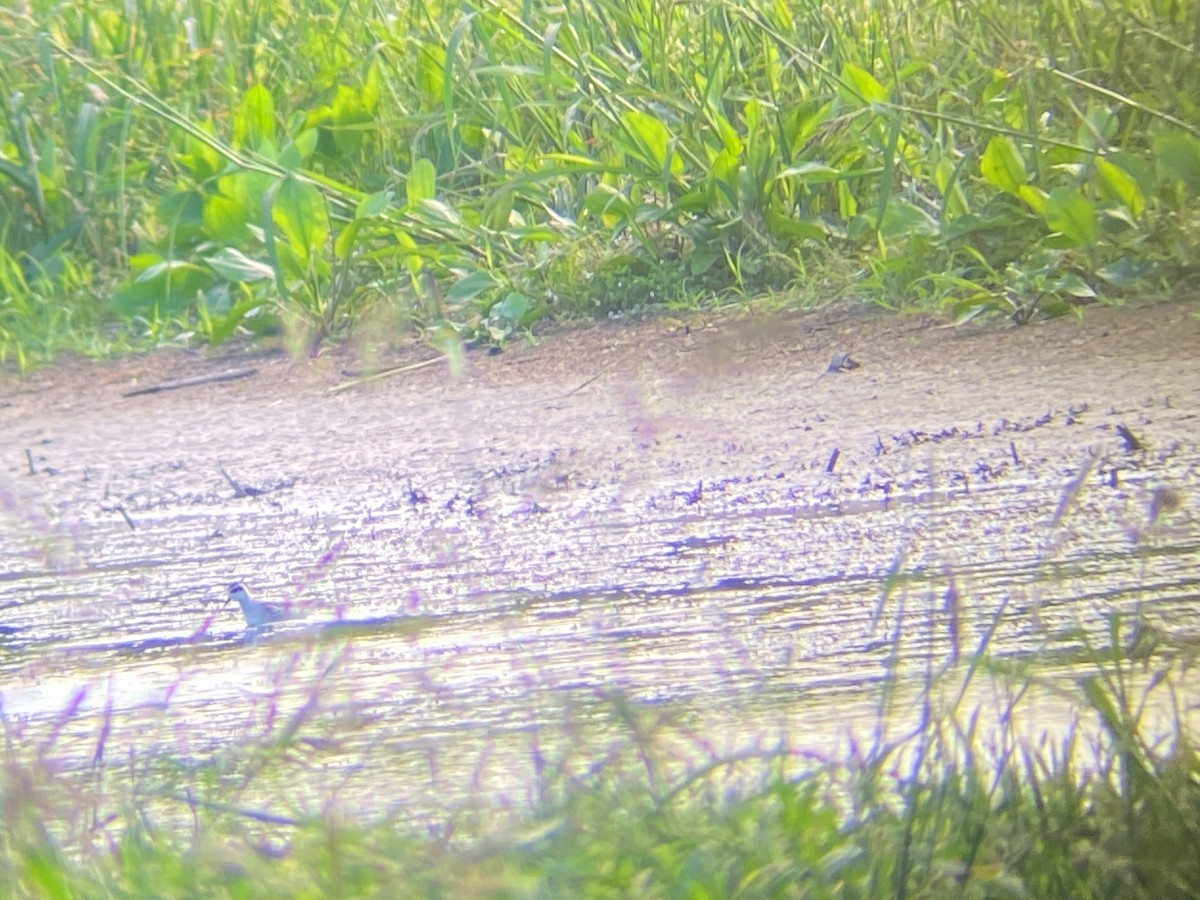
{"x":704,"y":256}
{"x":514,"y":307}
{"x":1035,"y":197}
{"x":722,"y":175}
{"x":805,"y":126}
{"x":497,"y":209}
{"x":472,"y":285}
{"x":946,"y":176}
{"x":349,"y":120}
{"x":1125,"y":272}
{"x":344,"y":241}
{"x":254,"y":120}
{"x":652,"y":141}
{"x":913,"y":66}
{"x":233,"y":265}
{"x":1123,"y":186}
{"x":1098,"y":128}
{"x":299,"y":213}
{"x":296,"y":151}
{"x":248,"y":189}
{"x":373,"y":205}
{"x":1072,"y":285}
{"x":862,"y":85}
{"x":140,"y":262}
{"x":1002,"y":165}
{"x":84,"y":137}
{"x":288,"y":266}
{"x":430,"y":77}
{"x":168,"y":286}
{"x":225,"y":219}
{"x":797,"y":229}
{"x":1177,"y":156}
{"x":371,"y":87}
{"x":201,"y":159}
{"x":609,"y":205}
{"x":847,"y":205}
{"x":901,"y":219}
{"x":730,"y":141}
{"x":422,"y":182}
{"x":183,"y":215}
{"x":1072,"y":215}
{"x":223,"y":327}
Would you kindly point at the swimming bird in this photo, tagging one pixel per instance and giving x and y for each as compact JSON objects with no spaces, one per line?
{"x":256,"y":611}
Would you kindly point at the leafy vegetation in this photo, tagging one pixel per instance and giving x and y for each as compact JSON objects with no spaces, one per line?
{"x":204,"y":168}
{"x":955,"y":808}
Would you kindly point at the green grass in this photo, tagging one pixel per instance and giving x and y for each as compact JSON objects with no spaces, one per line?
{"x":173,"y":166}
{"x":954,"y":808}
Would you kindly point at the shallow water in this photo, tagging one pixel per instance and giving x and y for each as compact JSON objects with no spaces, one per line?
{"x":528,"y":565}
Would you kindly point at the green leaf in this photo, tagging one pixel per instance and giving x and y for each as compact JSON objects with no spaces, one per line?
{"x":422,"y":182}
{"x":225,"y":219}
{"x":430,"y":78}
{"x":811,"y":172}
{"x":1125,"y":273}
{"x":608,"y":204}
{"x":1072,"y":285}
{"x":652,"y":141}
{"x":182,"y":213}
{"x":299,"y":212}
{"x":233,"y":265}
{"x":1123,"y":186}
{"x":1035,"y":197}
{"x":1003,"y":166}
{"x":299,"y":149}
{"x":439,"y":212}
{"x":514,"y":307}
{"x":901,"y":219}
{"x":472,"y":285}
{"x":222,"y":327}
{"x":1177,"y":157}
{"x":373,"y":205}
{"x":1097,"y":129}
{"x":1073,"y":216}
{"x":202,"y":160}
{"x":862,"y":85}
{"x":254,"y":120}
{"x":169,"y":286}
{"x":497,"y":209}
{"x":704,"y":256}
{"x":248,"y":189}
{"x":349,"y":120}
{"x":730,"y":141}
{"x":343,"y":243}
{"x":85,"y":136}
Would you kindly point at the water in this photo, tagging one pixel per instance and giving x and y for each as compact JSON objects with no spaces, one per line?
{"x":545,"y":579}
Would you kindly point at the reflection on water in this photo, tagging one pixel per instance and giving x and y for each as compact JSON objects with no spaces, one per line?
{"x":464,"y":630}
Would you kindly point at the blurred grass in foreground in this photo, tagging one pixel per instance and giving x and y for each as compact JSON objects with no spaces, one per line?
{"x":955,"y":808}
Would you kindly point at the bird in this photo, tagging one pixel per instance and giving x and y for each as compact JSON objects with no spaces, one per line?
{"x":256,"y":611}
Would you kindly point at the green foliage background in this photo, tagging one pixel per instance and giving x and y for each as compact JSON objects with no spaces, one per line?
{"x":175,"y":167}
